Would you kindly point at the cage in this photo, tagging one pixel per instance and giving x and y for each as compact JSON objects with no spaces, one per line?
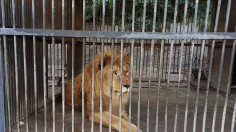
{"x":181,"y":70}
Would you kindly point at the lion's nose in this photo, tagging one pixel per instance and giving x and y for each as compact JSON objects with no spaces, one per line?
{"x":127,"y":86}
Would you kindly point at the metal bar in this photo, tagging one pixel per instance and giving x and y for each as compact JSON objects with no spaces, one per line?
{"x":121,"y":62}
{"x":230,"y":71}
{"x":190,"y":70}
{"x":159,"y":72}
{"x":233,"y":117}
{"x":73,"y":81}
{"x":44,"y":69}
{"x":111,"y":84}
{"x":200,"y":69}
{"x":16,"y":68}
{"x":6,"y":65}
{"x":141,"y":63}
{"x":221,"y":67}
{"x":73,"y":66}
{"x":169,"y":66}
{"x":63,"y":67}
{"x":25,"y":68}
{"x":210,"y":62}
{"x":35,"y":71}
{"x":7,"y":87}
{"x":93,"y":65}
{"x":53,"y":67}
{"x":112,"y":61}
{"x":180,"y":63}
{"x":102,"y":60}
{"x":228,"y":87}
{"x":151,"y":62}
{"x":26,"y":86}
{"x":198,"y":86}
{"x":83,"y":63}
{"x":119,"y":35}
{"x":188,"y":87}
{"x":2,"y":113}
{"x":132,"y":64}
{"x":53,"y":83}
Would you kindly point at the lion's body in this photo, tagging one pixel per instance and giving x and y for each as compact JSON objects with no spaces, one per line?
{"x":103,"y":85}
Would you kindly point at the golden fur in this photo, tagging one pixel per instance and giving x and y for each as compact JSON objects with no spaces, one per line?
{"x":103,"y":85}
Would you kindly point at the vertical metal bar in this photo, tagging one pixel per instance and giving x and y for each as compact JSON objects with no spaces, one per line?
{"x":73,"y":66}
{"x":35,"y":71}
{"x":102,"y":60}
{"x":63,"y":67}
{"x":180,"y":64}
{"x":141,"y":64}
{"x":200,"y":69}
{"x":169,"y":66}
{"x":112,"y":61}
{"x":221,"y":67}
{"x":2,"y":113}
{"x":44,"y":69}
{"x":230,"y":74}
{"x":198,"y":86}
{"x":188,"y":86}
{"x":210,"y":64}
{"x":6,"y":67}
{"x":55,"y":55}
{"x":160,"y":66}
{"x":233,"y":117}
{"x":25,"y":68}
{"x":111,"y":84}
{"x":121,"y":62}
{"x":151,"y":62}
{"x":53,"y":82}
{"x":190,"y":68}
{"x":131,"y":64}
{"x":228,"y":87}
{"x":16,"y":68}
{"x":83,"y":64}
{"x":93,"y":70}
{"x":53,"y":67}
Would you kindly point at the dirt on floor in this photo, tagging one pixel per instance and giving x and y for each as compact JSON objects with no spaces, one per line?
{"x":148,"y":118}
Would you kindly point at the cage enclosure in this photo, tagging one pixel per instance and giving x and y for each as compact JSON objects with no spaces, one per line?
{"x":174,"y":62}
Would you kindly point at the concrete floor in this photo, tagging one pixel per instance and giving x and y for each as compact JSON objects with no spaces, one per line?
{"x":152,"y":112}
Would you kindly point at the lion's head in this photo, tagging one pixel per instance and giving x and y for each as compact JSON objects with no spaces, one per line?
{"x":117,"y":89}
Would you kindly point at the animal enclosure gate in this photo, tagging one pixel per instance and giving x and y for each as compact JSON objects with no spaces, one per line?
{"x":181,"y":73}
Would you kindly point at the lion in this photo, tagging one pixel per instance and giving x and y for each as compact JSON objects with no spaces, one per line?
{"x":104,"y":85}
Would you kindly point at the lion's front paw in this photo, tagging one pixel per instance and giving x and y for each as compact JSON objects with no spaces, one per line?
{"x":134,"y":128}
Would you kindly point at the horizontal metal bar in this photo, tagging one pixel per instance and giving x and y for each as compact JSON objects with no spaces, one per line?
{"x":121,"y":35}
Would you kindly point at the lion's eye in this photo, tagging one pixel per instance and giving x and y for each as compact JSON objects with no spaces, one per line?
{"x":114,"y":72}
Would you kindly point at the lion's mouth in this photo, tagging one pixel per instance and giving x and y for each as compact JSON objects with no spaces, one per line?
{"x":124,"y":90}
